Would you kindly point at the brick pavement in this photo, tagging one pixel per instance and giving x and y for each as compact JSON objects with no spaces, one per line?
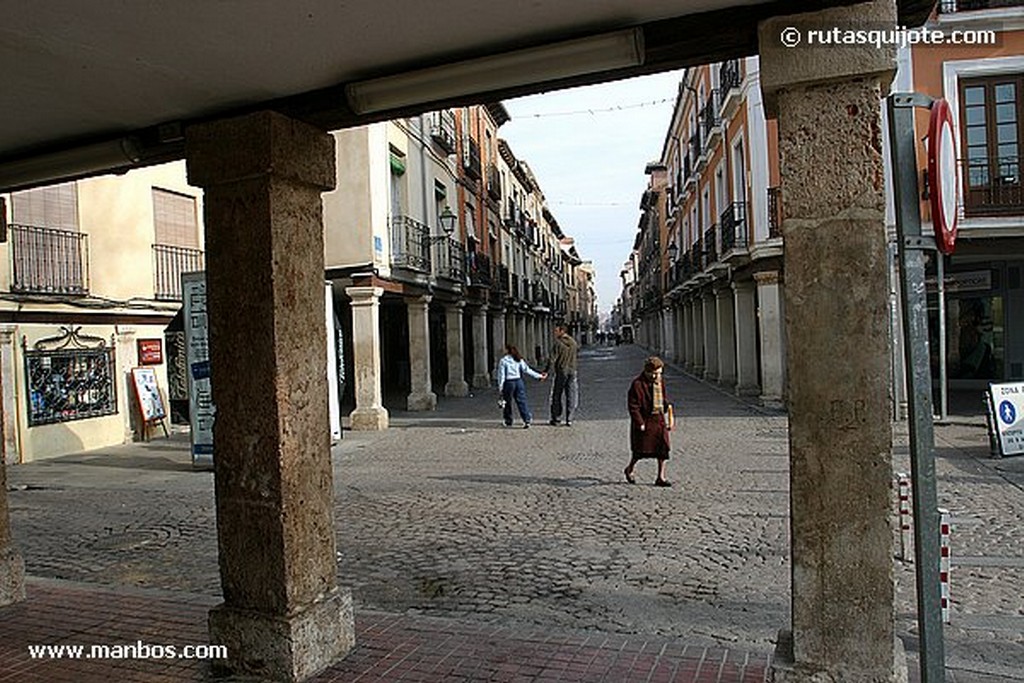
{"x":449,"y":516}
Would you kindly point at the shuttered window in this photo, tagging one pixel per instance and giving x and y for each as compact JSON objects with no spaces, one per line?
{"x":174,"y":217}
{"x":54,"y":207}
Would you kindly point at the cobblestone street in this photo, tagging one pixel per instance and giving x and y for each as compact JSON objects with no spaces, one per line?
{"x":450,"y":515}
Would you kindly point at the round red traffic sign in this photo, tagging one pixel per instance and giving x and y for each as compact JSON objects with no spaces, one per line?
{"x":942,"y":174}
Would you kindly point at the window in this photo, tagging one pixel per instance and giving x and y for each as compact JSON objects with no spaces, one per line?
{"x":48,"y":253}
{"x":174,"y":218}
{"x":53,"y":207}
{"x":992,"y":131}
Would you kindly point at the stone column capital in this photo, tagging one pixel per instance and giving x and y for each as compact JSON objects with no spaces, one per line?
{"x":419,"y":300}
{"x":7,"y":334}
{"x":455,"y":305}
{"x":256,"y":145}
{"x":743,"y":285}
{"x":803,"y":64}
{"x":364,"y":296}
{"x":767,"y":277}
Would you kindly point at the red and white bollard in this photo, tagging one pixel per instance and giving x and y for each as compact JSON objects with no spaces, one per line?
{"x":944,"y":562}
{"x":905,"y":517}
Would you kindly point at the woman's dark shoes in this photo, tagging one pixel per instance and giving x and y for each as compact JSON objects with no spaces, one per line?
{"x":662,"y":482}
{"x":629,"y":475}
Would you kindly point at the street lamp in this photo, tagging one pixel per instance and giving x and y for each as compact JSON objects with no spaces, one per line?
{"x":447,"y":219}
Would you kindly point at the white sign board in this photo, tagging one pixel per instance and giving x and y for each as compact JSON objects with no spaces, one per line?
{"x":201,"y":410}
{"x":151,"y":403}
{"x":1008,"y":414}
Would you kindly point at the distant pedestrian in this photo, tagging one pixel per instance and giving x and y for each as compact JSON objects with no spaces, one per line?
{"x":648,"y":423}
{"x":563,"y":362}
{"x":511,"y":369}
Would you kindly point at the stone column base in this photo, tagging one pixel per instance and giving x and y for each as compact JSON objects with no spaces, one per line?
{"x":427,"y":401}
{"x":368,"y":419}
{"x":773,"y":402}
{"x":481,"y":381}
{"x":751,"y":390}
{"x":785,"y":670}
{"x":280,"y":648}
{"x":12,"y":576}
{"x":458,"y":389}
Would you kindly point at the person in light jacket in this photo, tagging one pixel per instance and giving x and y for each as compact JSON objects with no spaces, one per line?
{"x":511,"y":369}
{"x":648,"y":428}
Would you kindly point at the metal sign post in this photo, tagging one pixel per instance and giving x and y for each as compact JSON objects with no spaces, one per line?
{"x":912,"y":243}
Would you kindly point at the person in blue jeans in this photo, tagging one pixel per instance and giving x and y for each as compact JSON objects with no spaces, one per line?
{"x":511,"y":369}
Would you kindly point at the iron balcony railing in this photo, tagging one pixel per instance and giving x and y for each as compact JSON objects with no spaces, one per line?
{"x":728,"y":78}
{"x":992,"y":187}
{"x":410,"y":244}
{"x":169,"y":262}
{"x":49,"y":261}
{"x":471,"y":157}
{"x":478,"y":268}
{"x":710,"y":246}
{"x":695,"y":148}
{"x":515,"y":292}
{"x":449,"y":256}
{"x":774,"y":212}
{"x":442,"y":129}
{"x":951,"y":6}
{"x":734,"y":227}
{"x":493,"y":182}
{"x":697,"y":256}
{"x":708,"y":116}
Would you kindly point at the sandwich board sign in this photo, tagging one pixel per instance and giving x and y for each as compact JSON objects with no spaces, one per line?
{"x":1007,"y":408}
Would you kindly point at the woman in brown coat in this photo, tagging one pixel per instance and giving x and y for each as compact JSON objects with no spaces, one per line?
{"x":648,"y":427}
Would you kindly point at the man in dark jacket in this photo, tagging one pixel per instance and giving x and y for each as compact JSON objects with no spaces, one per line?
{"x":562,"y":362}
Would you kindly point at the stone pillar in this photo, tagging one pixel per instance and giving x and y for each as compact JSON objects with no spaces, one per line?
{"x":827,"y":101}
{"x":8,"y":407}
{"x":369,"y":413}
{"x":127,"y":354}
{"x":698,"y":335}
{"x":746,"y":338}
{"x":710,"y":337}
{"x":686,"y":334}
{"x":283,"y":616}
{"x":481,"y":373}
{"x":726,"y":311}
{"x":456,"y":385}
{"x":773,"y":353}
{"x":498,"y":332}
{"x":668,"y":351}
{"x":421,"y":397}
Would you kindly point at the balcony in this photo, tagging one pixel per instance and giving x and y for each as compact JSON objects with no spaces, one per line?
{"x":169,"y":263}
{"x":710,"y":122}
{"x":710,"y":246}
{"x":449,"y":258}
{"x":493,"y":182}
{"x":697,"y":256}
{"x":774,"y":213}
{"x":733,"y":223}
{"x":992,"y":187}
{"x":478,"y":269}
{"x":729,"y":88}
{"x":442,"y":129}
{"x":410,"y":244}
{"x":49,"y":261}
{"x":697,"y":158}
{"x":471,"y":158}
{"x":515,"y":293}
{"x":953,"y":6}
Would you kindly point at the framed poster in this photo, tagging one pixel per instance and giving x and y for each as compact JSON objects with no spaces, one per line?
{"x":151,"y":403}
{"x":151,"y":351}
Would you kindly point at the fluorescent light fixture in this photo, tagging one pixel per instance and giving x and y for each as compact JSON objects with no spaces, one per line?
{"x":594,"y":54}
{"x":76,"y":162}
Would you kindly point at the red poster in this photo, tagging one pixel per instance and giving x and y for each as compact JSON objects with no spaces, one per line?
{"x":151,"y":351}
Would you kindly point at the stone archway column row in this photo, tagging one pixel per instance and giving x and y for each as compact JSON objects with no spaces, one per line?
{"x":283,"y":616}
{"x":828,"y":104}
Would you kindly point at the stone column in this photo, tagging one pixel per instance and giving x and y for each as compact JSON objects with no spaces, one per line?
{"x":668,"y":351}
{"x":127,"y":355}
{"x":498,"y":327}
{"x":686,"y":334}
{"x":421,"y":397}
{"x":773,"y":352}
{"x":456,"y":385}
{"x":481,"y":373}
{"x":726,"y":312}
{"x":8,"y":408}
{"x":710,"y":337}
{"x":698,"y":335}
{"x":369,"y":413}
{"x":746,"y":339}
{"x":283,"y":616}
{"x":837,"y":330}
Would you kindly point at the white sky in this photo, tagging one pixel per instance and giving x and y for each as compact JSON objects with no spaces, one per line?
{"x":590,"y":163}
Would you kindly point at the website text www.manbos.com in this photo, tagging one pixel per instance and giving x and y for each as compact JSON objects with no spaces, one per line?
{"x":137,"y":650}
{"x":899,"y":36}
